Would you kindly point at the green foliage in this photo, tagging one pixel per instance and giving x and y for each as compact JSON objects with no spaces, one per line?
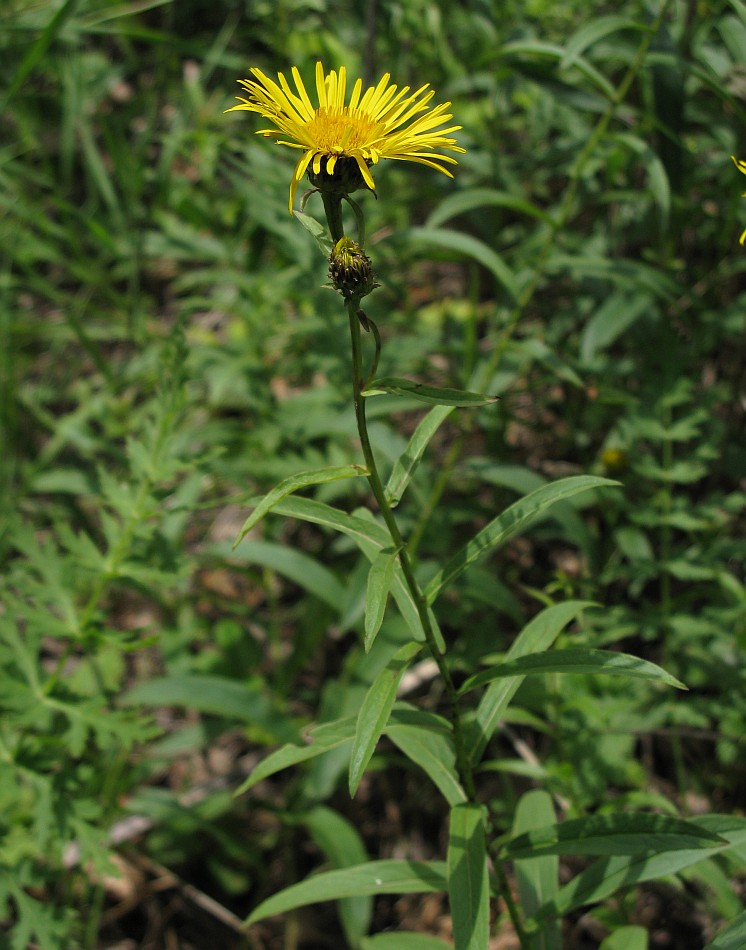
{"x":168,"y":355}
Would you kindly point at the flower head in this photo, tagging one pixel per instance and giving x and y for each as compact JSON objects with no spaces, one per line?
{"x":350,"y":270}
{"x":741,"y":166}
{"x":341,"y":139}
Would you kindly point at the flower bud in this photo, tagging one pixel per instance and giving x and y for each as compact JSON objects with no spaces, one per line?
{"x":350,"y":270}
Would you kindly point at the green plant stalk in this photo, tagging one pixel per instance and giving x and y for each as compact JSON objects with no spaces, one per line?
{"x":374,"y":480}
{"x":333,"y":208}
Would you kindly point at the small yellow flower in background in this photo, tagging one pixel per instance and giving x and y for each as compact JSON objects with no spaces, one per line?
{"x":741,"y":166}
{"x":343,"y":139}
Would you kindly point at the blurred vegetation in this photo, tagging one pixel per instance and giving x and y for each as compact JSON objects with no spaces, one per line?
{"x":169,"y":352}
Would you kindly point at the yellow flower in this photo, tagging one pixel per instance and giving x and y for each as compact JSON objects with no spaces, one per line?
{"x":378,"y":123}
{"x":741,"y":166}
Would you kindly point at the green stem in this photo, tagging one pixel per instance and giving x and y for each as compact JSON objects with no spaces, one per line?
{"x":507,"y":895}
{"x":376,"y":485}
{"x":332,"y":206}
{"x":333,"y":209}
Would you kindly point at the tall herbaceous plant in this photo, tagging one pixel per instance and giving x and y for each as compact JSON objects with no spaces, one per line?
{"x":340,"y":132}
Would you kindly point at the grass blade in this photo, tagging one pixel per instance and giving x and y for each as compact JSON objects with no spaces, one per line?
{"x":37,"y":51}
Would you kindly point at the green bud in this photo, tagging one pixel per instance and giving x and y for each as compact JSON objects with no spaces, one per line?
{"x":350,"y":270}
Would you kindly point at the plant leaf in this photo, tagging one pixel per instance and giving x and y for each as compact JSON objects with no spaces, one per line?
{"x":371,"y":538}
{"x":477,"y":199}
{"x":513,"y":520}
{"x":375,"y":877}
{"x":289,"y":485}
{"x":610,"y":873}
{"x":246,"y":702}
{"x":380,"y":577}
{"x":340,"y":841}
{"x":426,"y":741}
{"x":300,"y":568}
{"x":317,"y":231}
{"x":598,"y":28}
{"x":611,"y":835}
{"x":615,"y":315}
{"x":538,"y":635}
{"x":537,"y":877}
{"x":574,"y":661}
{"x":627,"y":938}
{"x":375,"y":711}
{"x":327,"y":736}
{"x":405,"y":465}
{"x":398,"y":386}
{"x":468,"y":880}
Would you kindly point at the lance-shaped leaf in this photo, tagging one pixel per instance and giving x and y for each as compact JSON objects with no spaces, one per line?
{"x":289,"y":485}
{"x":574,"y":661}
{"x":468,"y":880}
{"x":371,"y":538}
{"x":426,"y":740}
{"x":612,"y":872}
{"x":470,"y":199}
{"x":340,"y":841}
{"x":375,"y":877}
{"x":327,"y":736}
{"x":380,"y":578}
{"x":375,"y":711}
{"x":538,"y":635}
{"x":537,"y":877}
{"x":629,"y":833}
{"x":511,"y":522}
{"x":432,"y":395}
{"x":317,"y":231}
{"x":405,"y":465}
